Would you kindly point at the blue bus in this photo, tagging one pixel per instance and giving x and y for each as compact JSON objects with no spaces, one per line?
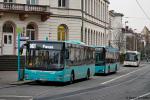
{"x":107,"y":60}
{"x":58,"y":61}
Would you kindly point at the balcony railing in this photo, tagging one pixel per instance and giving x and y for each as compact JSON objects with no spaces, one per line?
{"x":23,"y":7}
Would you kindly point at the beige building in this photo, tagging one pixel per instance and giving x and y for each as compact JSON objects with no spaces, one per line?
{"x":84,"y":20}
{"x":58,"y":20}
{"x":116,"y":36}
{"x":29,"y":15}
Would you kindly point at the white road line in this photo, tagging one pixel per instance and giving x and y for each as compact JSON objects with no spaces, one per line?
{"x":121,"y":76}
{"x":142,"y":64}
{"x":142,"y":96}
{"x":105,"y":83}
{"x":15,"y":96}
{"x":122,"y":70}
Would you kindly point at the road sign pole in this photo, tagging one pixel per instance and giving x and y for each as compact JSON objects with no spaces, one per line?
{"x":19,"y":73}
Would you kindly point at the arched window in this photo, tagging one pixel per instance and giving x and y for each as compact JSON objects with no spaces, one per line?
{"x":94,"y":38}
{"x":7,"y":33}
{"x":62,"y":32}
{"x":31,"y":31}
{"x":91,"y":37}
{"x":88,"y":36}
{"x":8,"y":28}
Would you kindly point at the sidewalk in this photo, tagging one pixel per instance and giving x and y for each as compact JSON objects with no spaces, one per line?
{"x":8,"y":77}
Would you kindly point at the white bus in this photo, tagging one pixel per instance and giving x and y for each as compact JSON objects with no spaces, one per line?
{"x":132,"y":58}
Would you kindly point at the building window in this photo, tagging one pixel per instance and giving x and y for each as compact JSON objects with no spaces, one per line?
{"x":62,"y":3}
{"x":85,"y":36}
{"x":8,"y":28}
{"x":31,"y":31}
{"x":7,"y":33}
{"x":62,"y":34}
{"x":9,"y":1}
{"x":32,"y":2}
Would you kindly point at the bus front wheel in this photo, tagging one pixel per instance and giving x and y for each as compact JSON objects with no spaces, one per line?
{"x":72,"y":77}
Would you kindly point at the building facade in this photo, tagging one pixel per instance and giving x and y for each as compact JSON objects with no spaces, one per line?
{"x":116,"y":35}
{"x":56,"y":20}
{"x":146,"y":38}
{"x":83,"y":20}
{"x":30,"y":16}
{"x":134,"y":41}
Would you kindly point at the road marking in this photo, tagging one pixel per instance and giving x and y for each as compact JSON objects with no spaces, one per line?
{"x":121,"y":76}
{"x":95,"y":90}
{"x":14,"y":96}
{"x":137,"y":98}
{"x":122,"y":70}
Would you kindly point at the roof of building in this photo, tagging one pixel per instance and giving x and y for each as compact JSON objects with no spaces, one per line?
{"x":107,"y":1}
{"x":112,"y":12}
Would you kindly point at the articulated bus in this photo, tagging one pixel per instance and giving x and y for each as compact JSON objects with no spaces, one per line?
{"x":107,"y":60}
{"x":132,"y":58}
{"x":58,"y":61}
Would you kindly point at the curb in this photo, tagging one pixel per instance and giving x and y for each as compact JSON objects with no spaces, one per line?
{"x":20,"y":82}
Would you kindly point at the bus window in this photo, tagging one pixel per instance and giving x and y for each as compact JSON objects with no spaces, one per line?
{"x":46,"y":59}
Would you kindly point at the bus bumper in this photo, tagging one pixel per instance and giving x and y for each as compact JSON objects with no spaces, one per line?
{"x":55,"y":76}
{"x":99,"y":69}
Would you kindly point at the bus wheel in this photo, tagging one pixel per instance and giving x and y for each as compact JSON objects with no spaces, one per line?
{"x":72,"y":77}
{"x":116,"y":69}
{"x":88,"y":74}
{"x":108,"y":69}
{"x":105,"y":71}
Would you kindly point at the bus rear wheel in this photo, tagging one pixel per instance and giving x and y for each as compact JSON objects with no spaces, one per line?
{"x":116,"y":69}
{"x":88,"y":74}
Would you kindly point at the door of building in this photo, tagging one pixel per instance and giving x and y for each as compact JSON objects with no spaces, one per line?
{"x":7,"y":44}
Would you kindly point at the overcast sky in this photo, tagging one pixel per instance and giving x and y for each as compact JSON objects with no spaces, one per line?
{"x":137,"y":20}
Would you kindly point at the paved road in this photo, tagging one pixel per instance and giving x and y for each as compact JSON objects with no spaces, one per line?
{"x":127,"y":84}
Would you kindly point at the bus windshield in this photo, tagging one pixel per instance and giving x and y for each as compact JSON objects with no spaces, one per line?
{"x":45,"y":59}
{"x":100,"y":56}
{"x":130,"y":57}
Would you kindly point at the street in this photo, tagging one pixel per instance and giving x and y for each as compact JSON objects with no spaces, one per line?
{"x":129,"y":83}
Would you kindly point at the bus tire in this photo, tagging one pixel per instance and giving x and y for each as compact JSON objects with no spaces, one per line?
{"x":88,"y":74}
{"x":72,"y":77}
{"x":105,"y":71}
{"x":116,"y":69}
{"x":108,"y":69}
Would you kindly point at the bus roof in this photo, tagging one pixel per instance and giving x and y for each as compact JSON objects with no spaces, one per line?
{"x":108,"y":48}
{"x":69,"y":42}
